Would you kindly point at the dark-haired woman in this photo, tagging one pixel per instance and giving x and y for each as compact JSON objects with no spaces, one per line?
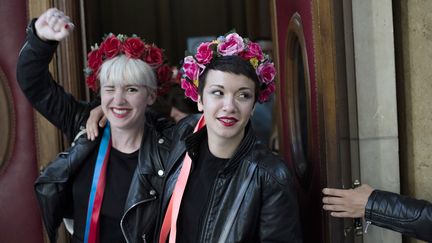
{"x":228,"y":187}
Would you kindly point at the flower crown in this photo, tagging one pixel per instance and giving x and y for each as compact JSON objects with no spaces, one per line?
{"x":132,"y":47}
{"x":229,"y":45}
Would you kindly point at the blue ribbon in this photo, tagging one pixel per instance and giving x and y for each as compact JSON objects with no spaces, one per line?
{"x":103,"y":148}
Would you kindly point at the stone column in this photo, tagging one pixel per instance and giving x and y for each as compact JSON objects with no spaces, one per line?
{"x":376,"y":101}
{"x":414,"y":89}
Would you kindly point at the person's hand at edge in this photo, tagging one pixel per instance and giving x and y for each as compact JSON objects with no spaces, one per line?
{"x":346,"y":203}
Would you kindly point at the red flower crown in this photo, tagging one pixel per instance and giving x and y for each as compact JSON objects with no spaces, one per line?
{"x":132,"y":47}
{"x":231,"y":44}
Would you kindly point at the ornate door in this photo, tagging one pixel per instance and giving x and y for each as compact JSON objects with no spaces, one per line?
{"x":313,"y":52}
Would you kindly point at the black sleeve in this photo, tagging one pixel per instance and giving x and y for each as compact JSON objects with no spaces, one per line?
{"x":409,"y":216}
{"x":45,"y":95}
{"x":279,"y":211}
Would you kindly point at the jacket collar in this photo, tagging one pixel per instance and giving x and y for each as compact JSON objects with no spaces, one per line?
{"x":194,"y":141}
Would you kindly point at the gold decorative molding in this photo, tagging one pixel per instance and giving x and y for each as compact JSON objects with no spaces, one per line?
{"x":7,"y":120}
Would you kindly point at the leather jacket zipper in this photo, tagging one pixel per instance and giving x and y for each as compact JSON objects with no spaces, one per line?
{"x":127,"y":211}
{"x":367,"y":226}
{"x":210,"y":201}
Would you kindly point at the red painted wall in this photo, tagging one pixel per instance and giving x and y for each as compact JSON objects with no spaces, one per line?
{"x":309,"y":198}
{"x":19,"y":214}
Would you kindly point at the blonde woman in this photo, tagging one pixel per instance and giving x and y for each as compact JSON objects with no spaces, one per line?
{"x":110,"y":186}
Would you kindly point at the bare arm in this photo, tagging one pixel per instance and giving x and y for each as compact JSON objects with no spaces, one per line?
{"x":347,"y":203}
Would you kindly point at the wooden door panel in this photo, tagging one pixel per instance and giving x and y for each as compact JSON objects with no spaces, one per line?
{"x":299,"y":144}
{"x":313,"y":51}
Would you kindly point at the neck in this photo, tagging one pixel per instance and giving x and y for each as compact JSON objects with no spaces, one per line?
{"x":224,"y":148}
{"x":127,"y":141}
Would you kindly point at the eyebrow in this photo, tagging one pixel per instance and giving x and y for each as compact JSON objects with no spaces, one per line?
{"x":245,"y":88}
{"x":217,"y":86}
{"x":222,"y":87}
{"x":125,"y":86}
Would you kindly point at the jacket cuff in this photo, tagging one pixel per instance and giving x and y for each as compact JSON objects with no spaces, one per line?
{"x":370,"y":205}
{"x":37,"y":43}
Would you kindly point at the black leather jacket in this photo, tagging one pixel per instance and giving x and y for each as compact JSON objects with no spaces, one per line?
{"x":267,"y":208}
{"x":406,"y":215}
{"x":61,"y":109}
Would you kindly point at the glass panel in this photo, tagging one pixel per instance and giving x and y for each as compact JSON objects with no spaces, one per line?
{"x":302,"y":101}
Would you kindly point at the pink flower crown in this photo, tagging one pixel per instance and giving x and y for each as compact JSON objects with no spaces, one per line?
{"x":230,"y":45}
{"x":132,"y":47}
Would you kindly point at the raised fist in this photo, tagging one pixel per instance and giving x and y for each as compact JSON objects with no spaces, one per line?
{"x":53,"y":24}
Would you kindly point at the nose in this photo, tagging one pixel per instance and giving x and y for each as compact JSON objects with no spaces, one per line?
{"x":229,"y":104}
{"x":119,"y":97}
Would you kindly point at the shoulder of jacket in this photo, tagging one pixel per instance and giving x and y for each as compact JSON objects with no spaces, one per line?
{"x":157,"y":121}
{"x":272,"y":165}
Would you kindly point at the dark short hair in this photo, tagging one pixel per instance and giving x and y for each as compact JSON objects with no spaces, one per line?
{"x":230,"y":64}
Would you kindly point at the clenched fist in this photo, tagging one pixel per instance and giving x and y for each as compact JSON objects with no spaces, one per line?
{"x":53,"y":24}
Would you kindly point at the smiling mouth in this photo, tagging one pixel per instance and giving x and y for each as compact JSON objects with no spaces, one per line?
{"x":119,"y":113}
{"x":227,"y":121}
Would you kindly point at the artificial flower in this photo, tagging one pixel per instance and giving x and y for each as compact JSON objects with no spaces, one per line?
{"x":153,"y":55}
{"x":232,"y":45}
{"x":229,"y":45}
{"x":253,"y":50}
{"x":204,"y":53}
{"x":266,"y":72}
{"x":265,"y":94}
{"x":133,"y":47}
{"x":91,"y":82}
{"x":95,"y":59}
{"x":191,"y":68}
{"x":190,"y":90}
{"x":111,"y":46}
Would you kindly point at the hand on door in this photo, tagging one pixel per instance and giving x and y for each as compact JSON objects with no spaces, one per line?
{"x":346,"y":203}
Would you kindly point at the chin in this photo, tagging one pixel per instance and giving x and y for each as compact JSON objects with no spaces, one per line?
{"x":119,"y":124}
{"x":229,"y":134}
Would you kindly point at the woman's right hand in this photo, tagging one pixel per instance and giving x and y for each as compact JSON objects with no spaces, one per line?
{"x":53,"y":24}
{"x":96,"y":119}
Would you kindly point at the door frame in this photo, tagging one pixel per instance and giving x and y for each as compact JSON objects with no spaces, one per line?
{"x":333,"y":56}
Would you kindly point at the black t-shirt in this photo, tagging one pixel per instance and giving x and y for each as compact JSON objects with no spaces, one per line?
{"x":120,"y":170}
{"x":196,"y":196}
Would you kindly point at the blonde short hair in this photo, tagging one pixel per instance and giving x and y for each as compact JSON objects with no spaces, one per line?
{"x":124,"y":70}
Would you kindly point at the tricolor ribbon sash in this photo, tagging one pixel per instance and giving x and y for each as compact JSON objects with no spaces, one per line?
{"x":97,"y":189}
{"x":169,"y":225}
